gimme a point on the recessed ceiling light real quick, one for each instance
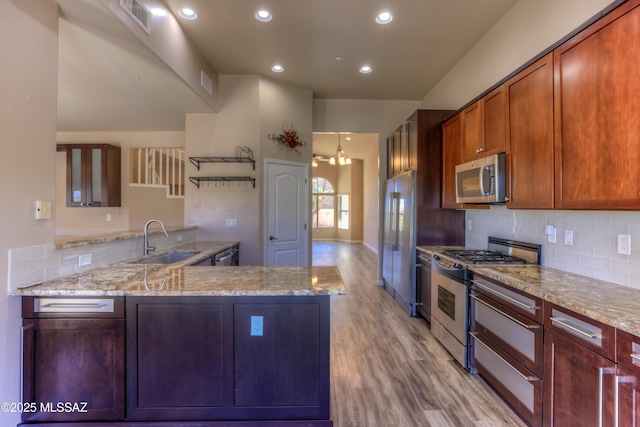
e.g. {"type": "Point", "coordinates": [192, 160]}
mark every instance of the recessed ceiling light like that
{"type": "Point", "coordinates": [263, 15]}
{"type": "Point", "coordinates": [384, 18]}
{"type": "Point", "coordinates": [338, 58]}
{"type": "Point", "coordinates": [188, 13]}
{"type": "Point", "coordinates": [365, 69]}
{"type": "Point", "coordinates": [277, 68]}
{"type": "Point", "coordinates": [158, 11]}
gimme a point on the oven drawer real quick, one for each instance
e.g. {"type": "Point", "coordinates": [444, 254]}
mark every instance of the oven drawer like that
{"type": "Point", "coordinates": [518, 301]}
{"type": "Point", "coordinates": [516, 334]}
{"type": "Point", "coordinates": [519, 387]}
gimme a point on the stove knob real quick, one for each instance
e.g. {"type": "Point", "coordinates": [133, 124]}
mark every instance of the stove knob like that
{"type": "Point", "coordinates": [436, 257]}
{"type": "Point", "coordinates": [456, 265]}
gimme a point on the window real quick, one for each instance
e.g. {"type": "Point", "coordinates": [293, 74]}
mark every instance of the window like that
{"type": "Point", "coordinates": [323, 202]}
{"type": "Point", "coordinates": [343, 211]}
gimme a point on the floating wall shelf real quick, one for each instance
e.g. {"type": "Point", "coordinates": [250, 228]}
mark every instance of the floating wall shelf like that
{"type": "Point", "coordinates": [199, 160]}
{"type": "Point", "coordinates": [199, 179]}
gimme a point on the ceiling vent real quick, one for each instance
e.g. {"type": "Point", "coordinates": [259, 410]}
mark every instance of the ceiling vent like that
{"type": "Point", "coordinates": [138, 12]}
{"type": "Point", "coordinates": [205, 82]}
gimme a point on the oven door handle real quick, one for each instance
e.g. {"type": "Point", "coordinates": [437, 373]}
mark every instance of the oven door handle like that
{"type": "Point", "coordinates": [501, 295]}
{"type": "Point", "coordinates": [513, 319]}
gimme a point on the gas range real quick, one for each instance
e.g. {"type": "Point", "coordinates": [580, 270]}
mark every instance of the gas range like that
{"type": "Point", "coordinates": [500, 251]}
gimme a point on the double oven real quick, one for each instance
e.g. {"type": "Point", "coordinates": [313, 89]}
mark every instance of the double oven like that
{"type": "Point", "coordinates": [451, 316]}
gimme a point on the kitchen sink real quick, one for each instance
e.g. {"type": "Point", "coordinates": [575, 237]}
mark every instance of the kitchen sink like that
{"type": "Point", "coordinates": [168, 258]}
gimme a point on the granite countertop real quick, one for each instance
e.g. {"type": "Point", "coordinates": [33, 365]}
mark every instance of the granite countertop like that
{"type": "Point", "coordinates": [609, 303]}
{"type": "Point", "coordinates": [62, 242]}
{"type": "Point", "coordinates": [128, 278]}
{"type": "Point", "coordinates": [606, 302]}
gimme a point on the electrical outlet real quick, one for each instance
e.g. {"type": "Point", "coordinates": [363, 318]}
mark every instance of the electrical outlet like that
{"type": "Point", "coordinates": [469, 225]}
{"type": "Point", "coordinates": [179, 238]}
{"type": "Point", "coordinates": [568, 237]}
{"type": "Point", "coordinates": [551, 237]}
{"type": "Point", "coordinates": [624, 244]}
{"type": "Point", "coordinates": [231, 222]}
{"type": "Point", "coordinates": [84, 260]}
{"type": "Point", "coordinates": [257, 326]}
{"type": "Point", "coordinates": [108, 217]}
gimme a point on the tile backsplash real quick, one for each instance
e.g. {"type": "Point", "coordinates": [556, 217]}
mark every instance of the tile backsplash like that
{"type": "Point", "coordinates": [34, 264]}
{"type": "Point", "coordinates": [595, 239]}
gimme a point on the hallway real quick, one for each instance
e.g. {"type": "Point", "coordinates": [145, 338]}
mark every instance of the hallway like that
{"type": "Point", "coordinates": [387, 370]}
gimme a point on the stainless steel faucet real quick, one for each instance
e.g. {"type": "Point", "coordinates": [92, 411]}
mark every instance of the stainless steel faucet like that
{"type": "Point", "coordinates": [148, 248]}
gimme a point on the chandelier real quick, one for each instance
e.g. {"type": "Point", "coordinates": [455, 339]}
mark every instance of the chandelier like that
{"type": "Point", "coordinates": [340, 157]}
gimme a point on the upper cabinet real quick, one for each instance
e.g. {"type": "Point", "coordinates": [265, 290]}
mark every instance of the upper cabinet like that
{"type": "Point", "coordinates": [451, 156]}
{"type": "Point", "coordinates": [93, 175]}
{"type": "Point", "coordinates": [530, 137]}
{"type": "Point", "coordinates": [597, 114]}
{"type": "Point", "coordinates": [483, 125]}
{"type": "Point", "coordinates": [396, 152]}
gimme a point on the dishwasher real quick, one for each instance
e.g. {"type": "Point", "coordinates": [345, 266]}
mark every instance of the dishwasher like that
{"type": "Point", "coordinates": [228, 257]}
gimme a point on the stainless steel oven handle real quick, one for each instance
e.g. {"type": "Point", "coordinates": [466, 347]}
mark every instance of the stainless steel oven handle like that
{"type": "Point", "coordinates": [573, 328]}
{"type": "Point", "coordinates": [513, 319]}
{"type": "Point", "coordinates": [529, 378]}
{"type": "Point", "coordinates": [501, 295]}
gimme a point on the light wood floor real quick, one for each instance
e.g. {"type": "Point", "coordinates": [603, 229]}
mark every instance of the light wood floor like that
{"type": "Point", "coordinates": [387, 369]}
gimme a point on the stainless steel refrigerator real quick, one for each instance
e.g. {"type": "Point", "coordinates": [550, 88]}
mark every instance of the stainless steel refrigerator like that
{"type": "Point", "coordinates": [398, 255]}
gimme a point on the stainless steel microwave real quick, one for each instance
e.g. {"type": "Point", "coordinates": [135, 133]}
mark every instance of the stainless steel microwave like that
{"type": "Point", "coordinates": [482, 180]}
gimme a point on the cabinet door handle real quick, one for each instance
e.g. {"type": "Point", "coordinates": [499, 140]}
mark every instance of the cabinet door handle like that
{"type": "Point", "coordinates": [528, 378]}
{"type": "Point", "coordinates": [573, 328]}
{"type": "Point", "coordinates": [513, 319]}
{"type": "Point", "coordinates": [72, 305]}
{"type": "Point", "coordinates": [601, 373]}
{"type": "Point", "coordinates": [501, 295]}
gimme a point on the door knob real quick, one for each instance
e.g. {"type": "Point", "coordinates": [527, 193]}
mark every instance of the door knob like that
{"type": "Point", "coordinates": [273, 238]}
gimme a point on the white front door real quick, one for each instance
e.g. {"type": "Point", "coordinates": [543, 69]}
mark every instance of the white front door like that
{"type": "Point", "coordinates": [287, 207]}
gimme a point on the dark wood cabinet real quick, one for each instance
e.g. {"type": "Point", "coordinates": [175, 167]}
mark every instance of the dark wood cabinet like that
{"type": "Point", "coordinates": [579, 384]}
{"type": "Point", "coordinates": [451, 156]}
{"type": "Point", "coordinates": [201, 359]}
{"type": "Point", "coordinates": [73, 357]}
{"type": "Point", "coordinates": [175, 358]}
{"type": "Point", "coordinates": [472, 132]}
{"type": "Point", "coordinates": [597, 119]}
{"type": "Point", "coordinates": [530, 137]}
{"type": "Point", "coordinates": [397, 152]}
{"type": "Point", "coordinates": [434, 225]}
{"type": "Point", "coordinates": [628, 410]}
{"type": "Point", "coordinates": [580, 372]}
{"type": "Point", "coordinates": [483, 125]}
{"type": "Point", "coordinates": [93, 175]}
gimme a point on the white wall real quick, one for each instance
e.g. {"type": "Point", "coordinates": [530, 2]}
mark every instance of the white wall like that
{"type": "Point", "coordinates": [28, 84]}
{"type": "Point", "coordinates": [251, 107]}
{"type": "Point", "coordinates": [369, 116]}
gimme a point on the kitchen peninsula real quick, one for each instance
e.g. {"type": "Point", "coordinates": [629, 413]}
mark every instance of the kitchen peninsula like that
{"type": "Point", "coordinates": [145, 343]}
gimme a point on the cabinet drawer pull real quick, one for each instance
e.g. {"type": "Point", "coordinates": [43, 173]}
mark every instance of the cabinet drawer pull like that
{"type": "Point", "coordinates": [72, 305]}
{"type": "Point", "coordinates": [529, 378]}
{"type": "Point", "coordinates": [501, 295]}
{"type": "Point", "coordinates": [573, 328]}
{"type": "Point", "coordinates": [84, 305]}
{"type": "Point", "coordinates": [635, 357]}
{"type": "Point", "coordinates": [513, 319]}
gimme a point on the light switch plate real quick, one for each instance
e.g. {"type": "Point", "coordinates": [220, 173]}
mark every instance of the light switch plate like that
{"type": "Point", "coordinates": [231, 222]}
{"type": "Point", "coordinates": [568, 237]}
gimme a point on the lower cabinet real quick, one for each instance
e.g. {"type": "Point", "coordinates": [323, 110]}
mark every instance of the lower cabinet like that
{"type": "Point", "coordinates": [580, 374]}
{"type": "Point", "coordinates": [207, 361]}
{"type": "Point", "coordinates": [73, 360]}
{"type": "Point", "coordinates": [227, 358]}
